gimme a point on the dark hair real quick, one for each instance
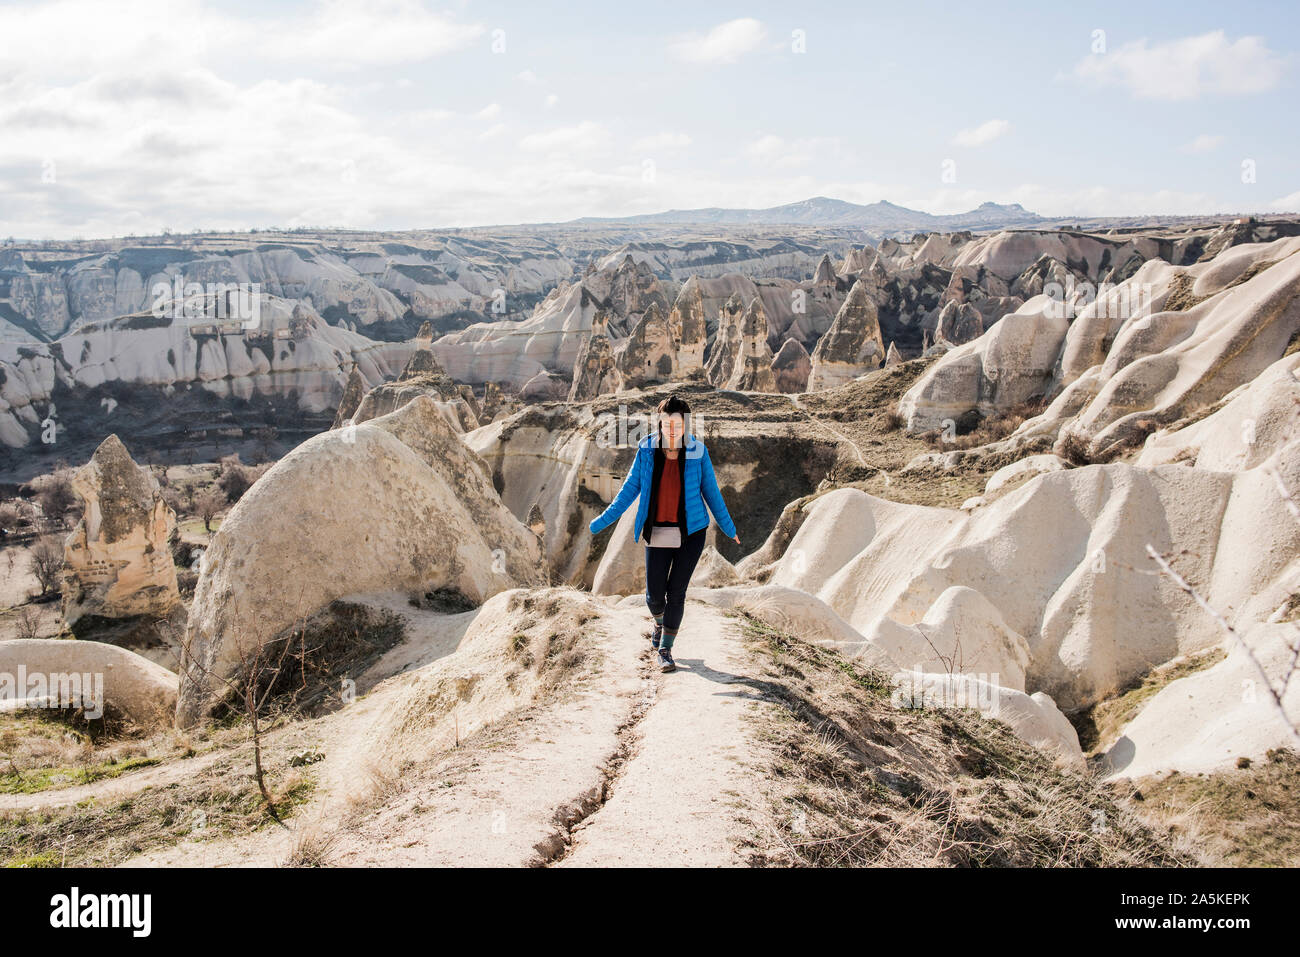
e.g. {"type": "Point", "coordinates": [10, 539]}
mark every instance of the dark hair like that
{"type": "Point", "coordinates": [672, 405]}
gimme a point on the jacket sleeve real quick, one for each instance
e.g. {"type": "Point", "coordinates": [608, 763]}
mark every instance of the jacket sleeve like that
{"type": "Point", "coordinates": [713, 495]}
{"type": "Point", "coordinates": [625, 497]}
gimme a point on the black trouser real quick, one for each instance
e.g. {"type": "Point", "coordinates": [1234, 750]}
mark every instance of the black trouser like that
{"type": "Point", "coordinates": [667, 573]}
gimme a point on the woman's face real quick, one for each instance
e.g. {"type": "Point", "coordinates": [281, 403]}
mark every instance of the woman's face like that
{"type": "Point", "coordinates": [674, 427]}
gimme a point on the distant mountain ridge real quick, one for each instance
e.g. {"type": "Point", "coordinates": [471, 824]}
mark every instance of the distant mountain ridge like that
{"type": "Point", "coordinates": [882, 217]}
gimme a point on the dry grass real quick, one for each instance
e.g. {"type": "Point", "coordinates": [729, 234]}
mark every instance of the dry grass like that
{"type": "Point", "coordinates": [382, 781]}
{"type": "Point", "coordinates": [858, 782]}
{"type": "Point", "coordinates": [1241, 817]}
{"type": "Point", "coordinates": [1181, 298]}
{"type": "Point", "coordinates": [992, 428]}
{"type": "Point", "coordinates": [221, 800]}
{"type": "Point", "coordinates": [313, 843]}
{"type": "Point", "coordinates": [1078, 451]}
{"type": "Point", "coordinates": [47, 750]}
{"type": "Point", "coordinates": [549, 638]}
{"type": "Point", "coordinates": [865, 413]}
{"type": "Point", "coordinates": [1100, 725]}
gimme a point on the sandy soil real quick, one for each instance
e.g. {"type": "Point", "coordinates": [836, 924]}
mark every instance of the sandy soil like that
{"type": "Point", "coordinates": [690, 782]}
{"type": "Point", "coordinates": [621, 766]}
{"type": "Point", "coordinates": [17, 586]}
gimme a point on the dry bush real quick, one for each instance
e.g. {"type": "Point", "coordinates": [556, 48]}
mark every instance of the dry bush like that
{"type": "Point", "coordinates": [47, 564]}
{"type": "Point", "coordinates": [1077, 450]}
{"type": "Point", "coordinates": [187, 580]}
{"type": "Point", "coordinates": [208, 504]}
{"type": "Point", "coordinates": [175, 501]}
{"type": "Point", "coordinates": [10, 518]}
{"type": "Point", "coordinates": [312, 845]}
{"type": "Point", "coordinates": [57, 499]}
{"type": "Point", "coordinates": [235, 479]}
{"type": "Point", "coordinates": [1073, 447]}
{"type": "Point", "coordinates": [989, 429]}
{"type": "Point", "coordinates": [28, 625]}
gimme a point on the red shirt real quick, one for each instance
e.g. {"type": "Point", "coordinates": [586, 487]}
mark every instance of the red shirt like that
{"type": "Point", "coordinates": [670, 491]}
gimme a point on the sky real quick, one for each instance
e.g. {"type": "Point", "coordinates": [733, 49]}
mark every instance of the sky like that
{"type": "Point", "coordinates": [127, 118]}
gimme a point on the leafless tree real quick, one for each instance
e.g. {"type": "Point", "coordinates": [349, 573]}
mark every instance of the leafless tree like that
{"type": "Point", "coordinates": [47, 564]}
{"type": "Point", "coordinates": [235, 478]}
{"type": "Point", "coordinates": [208, 504]}
{"type": "Point", "coordinates": [57, 499]}
{"type": "Point", "coordinates": [262, 671]}
{"type": "Point", "coordinates": [10, 516]}
{"type": "Point", "coordinates": [29, 622]}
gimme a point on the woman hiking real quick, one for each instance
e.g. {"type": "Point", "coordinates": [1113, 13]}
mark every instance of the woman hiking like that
{"type": "Point", "coordinates": [672, 476]}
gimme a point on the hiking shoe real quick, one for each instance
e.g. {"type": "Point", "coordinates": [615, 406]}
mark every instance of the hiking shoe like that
{"type": "Point", "coordinates": [654, 636]}
{"type": "Point", "coordinates": [666, 663]}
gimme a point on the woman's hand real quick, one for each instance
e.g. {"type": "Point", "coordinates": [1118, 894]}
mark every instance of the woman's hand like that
{"type": "Point", "coordinates": [736, 538]}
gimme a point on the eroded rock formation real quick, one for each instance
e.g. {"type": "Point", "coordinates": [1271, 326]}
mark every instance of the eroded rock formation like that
{"type": "Point", "coordinates": [853, 344]}
{"type": "Point", "coordinates": [117, 562]}
{"type": "Point", "coordinates": [752, 368]}
{"type": "Point", "coordinates": [398, 503]}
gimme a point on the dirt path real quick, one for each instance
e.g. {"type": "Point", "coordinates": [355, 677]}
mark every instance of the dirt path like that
{"type": "Point", "coordinates": [624, 767]}
{"type": "Point", "coordinates": [822, 423]}
{"type": "Point", "coordinates": [508, 797]}
{"type": "Point", "coordinates": [690, 781]}
{"type": "Point", "coordinates": [633, 768]}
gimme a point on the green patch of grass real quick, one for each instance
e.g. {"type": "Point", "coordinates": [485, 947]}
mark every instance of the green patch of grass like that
{"type": "Point", "coordinates": [192, 530]}
{"type": "Point", "coordinates": [45, 779]}
{"type": "Point", "coordinates": [44, 859]}
{"type": "Point", "coordinates": [219, 801]}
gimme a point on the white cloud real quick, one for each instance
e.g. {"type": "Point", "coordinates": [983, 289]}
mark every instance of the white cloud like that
{"type": "Point", "coordinates": [1288, 204]}
{"type": "Point", "coordinates": [725, 43]}
{"type": "Point", "coordinates": [373, 32]}
{"type": "Point", "coordinates": [431, 116]}
{"type": "Point", "coordinates": [584, 138]}
{"type": "Point", "coordinates": [661, 142]}
{"type": "Point", "coordinates": [197, 140]}
{"type": "Point", "coordinates": [1107, 201]}
{"type": "Point", "coordinates": [93, 36]}
{"type": "Point", "coordinates": [986, 132]}
{"type": "Point", "coordinates": [1187, 68]}
{"type": "Point", "coordinates": [779, 152]}
{"type": "Point", "coordinates": [1202, 144]}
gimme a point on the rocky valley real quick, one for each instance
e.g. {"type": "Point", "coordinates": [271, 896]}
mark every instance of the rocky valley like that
{"type": "Point", "coordinates": [1015, 500]}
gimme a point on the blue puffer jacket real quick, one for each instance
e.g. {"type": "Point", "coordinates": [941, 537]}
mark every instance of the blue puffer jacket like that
{"type": "Point", "coordinates": [700, 484]}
